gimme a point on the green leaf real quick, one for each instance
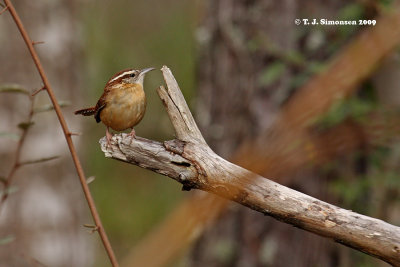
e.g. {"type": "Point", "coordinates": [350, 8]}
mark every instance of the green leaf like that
{"type": "Point", "coordinates": [9, 190]}
{"type": "Point", "coordinates": [299, 79]}
{"type": "Point", "coordinates": [354, 108]}
{"type": "Point", "coordinates": [50, 107]}
{"type": "Point", "coordinates": [90, 179]}
{"type": "Point", "coordinates": [12, 136]}
{"type": "Point", "coordinates": [336, 114]}
{"type": "Point", "coordinates": [352, 11]}
{"type": "Point", "coordinates": [271, 73]}
{"type": "Point", "coordinates": [25, 125]}
{"type": "Point", "coordinates": [13, 88]}
{"type": "Point", "coordinates": [224, 250]}
{"type": "Point", "coordinates": [93, 228]}
{"type": "Point", "coordinates": [39, 160]}
{"type": "Point", "coordinates": [360, 108]}
{"type": "Point", "coordinates": [316, 67]}
{"type": "Point", "coordinates": [349, 13]}
{"type": "Point", "coordinates": [386, 5]}
{"type": "Point", "coordinates": [6, 240]}
{"type": "Point", "coordinates": [90, 226]}
{"type": "Point", "coordinates": [295, 57]}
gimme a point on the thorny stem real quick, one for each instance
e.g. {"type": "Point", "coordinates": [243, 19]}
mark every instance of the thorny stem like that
{"type": "Point", "coordinates": [66, 131]}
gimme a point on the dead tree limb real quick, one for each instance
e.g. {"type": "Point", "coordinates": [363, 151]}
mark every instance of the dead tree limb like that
{"type": "Point", "coordinates": [190, 161]}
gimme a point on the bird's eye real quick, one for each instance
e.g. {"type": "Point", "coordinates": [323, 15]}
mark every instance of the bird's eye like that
{"type": "Point", "coordinates": [133, 75]}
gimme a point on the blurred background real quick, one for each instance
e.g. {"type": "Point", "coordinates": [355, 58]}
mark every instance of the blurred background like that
{"type": "Point", "coordinates": [312, 107]}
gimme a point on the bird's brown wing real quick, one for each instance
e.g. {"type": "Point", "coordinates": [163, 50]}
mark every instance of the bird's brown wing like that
{"type": "Point", "coordinates": [101, 104]}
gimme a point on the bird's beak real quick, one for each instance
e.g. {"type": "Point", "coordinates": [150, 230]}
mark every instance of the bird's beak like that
{"type": "Point", "coordinates": [143, 71]}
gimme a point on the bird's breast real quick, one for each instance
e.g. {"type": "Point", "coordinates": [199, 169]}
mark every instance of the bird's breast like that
{"type": "Point", "coordinates": [125, 107]}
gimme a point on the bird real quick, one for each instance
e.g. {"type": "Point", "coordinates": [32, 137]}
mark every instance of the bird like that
{"type": "Point", "coordinates": [122, 104]}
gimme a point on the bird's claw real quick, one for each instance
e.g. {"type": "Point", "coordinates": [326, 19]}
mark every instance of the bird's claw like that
{"type": "Point", "coordinates": [109, 137]}
{"type": "Point", "coordinates": [132, 134]}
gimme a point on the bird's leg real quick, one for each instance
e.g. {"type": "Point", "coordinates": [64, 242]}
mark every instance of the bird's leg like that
{"type": "Point", "coordinates": [132, 134]}
{"type": "Point", "coordinates": [108, 137]}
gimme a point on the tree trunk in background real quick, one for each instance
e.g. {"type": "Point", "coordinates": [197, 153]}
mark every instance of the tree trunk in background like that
{"type": "Point", "coordinates": [234, 105]}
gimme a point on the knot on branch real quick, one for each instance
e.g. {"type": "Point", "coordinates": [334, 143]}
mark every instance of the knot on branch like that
{"type": "Point", "coordinates": [176, 146]}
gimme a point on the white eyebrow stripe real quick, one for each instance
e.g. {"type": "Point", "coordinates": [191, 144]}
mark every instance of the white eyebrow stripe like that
{"type": "Point", "coordinates": [122, 74]}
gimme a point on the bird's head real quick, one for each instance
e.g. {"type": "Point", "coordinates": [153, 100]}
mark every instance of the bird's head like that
{"type": "Point", "coordinates": [130, 76]}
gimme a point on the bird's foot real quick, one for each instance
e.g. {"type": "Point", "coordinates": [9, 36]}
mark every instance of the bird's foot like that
{"type": "Point", "coordinates": [132, 134]}
{"type": "Point", "coordinates": [108, 137]}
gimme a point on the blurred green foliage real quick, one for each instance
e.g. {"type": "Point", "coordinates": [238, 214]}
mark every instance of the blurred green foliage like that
{"type": "Point", "coordinates": [271, 73]}
{"type": "Point", "coordinates": [350, 12]}
{"type": "Point", "coordinates": [367, 180]}
{"type": "Point", "coordinates": [6, 240]}
{"type": "Point", "coordinates": [386, 4]}
{"type": "Point", "coordinates": [312, 68]}
{"type": "Point", "coordinates": [367, 192]}
{"type": "Point", "coordinates": [350, 108]}
{"type": "Point", "coordinates": [13, 88]}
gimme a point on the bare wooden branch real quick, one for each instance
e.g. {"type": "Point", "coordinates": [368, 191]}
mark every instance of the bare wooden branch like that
{"type": "Point", "coordinates": [185, 127]}
{"type": "Point", "coordinates": [150, 155]}
{"type": "Point", "coordinates": [190, 161]}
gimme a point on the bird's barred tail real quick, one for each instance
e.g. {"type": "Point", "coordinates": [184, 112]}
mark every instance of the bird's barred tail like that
{"type": "Point", "coordinates": [86, 111]}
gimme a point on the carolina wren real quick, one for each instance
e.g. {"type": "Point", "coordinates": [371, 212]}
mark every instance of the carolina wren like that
{"type": "Point", "coordinates": [123, 103]}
